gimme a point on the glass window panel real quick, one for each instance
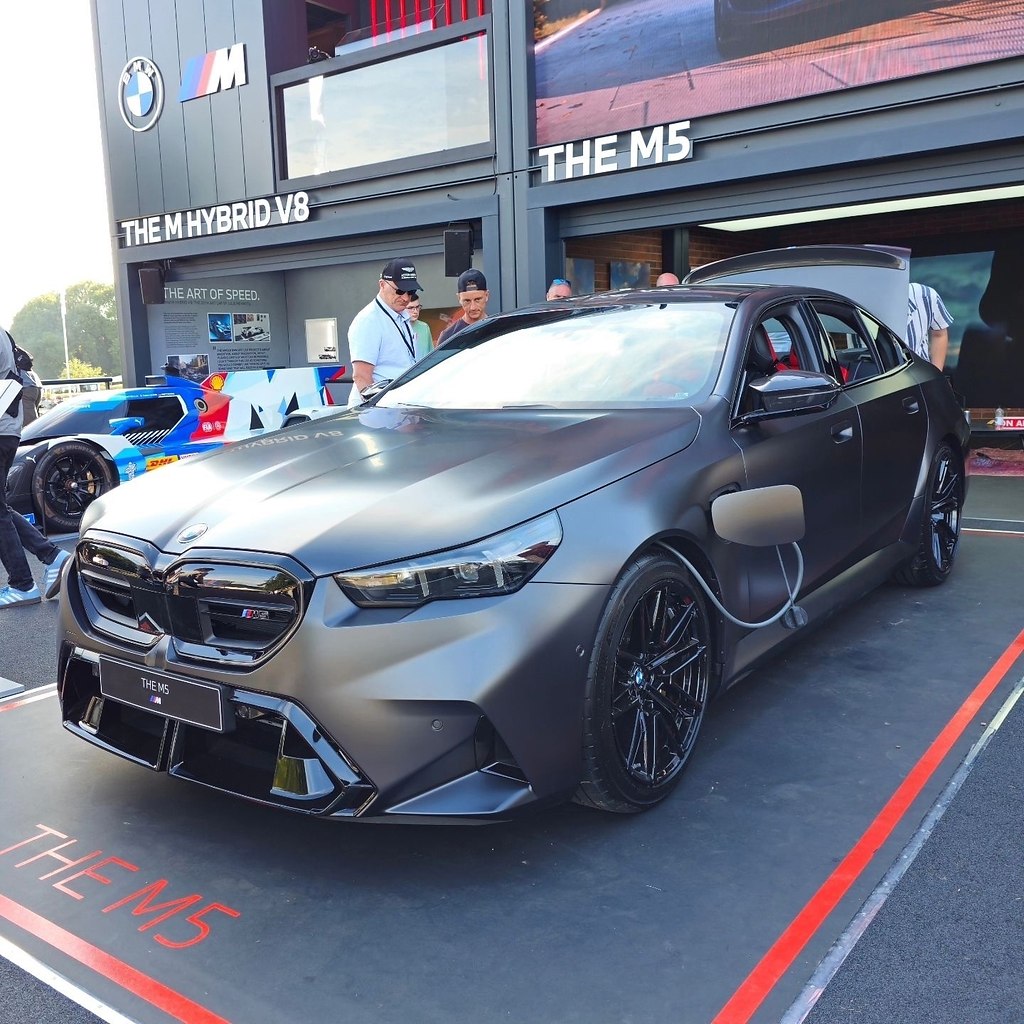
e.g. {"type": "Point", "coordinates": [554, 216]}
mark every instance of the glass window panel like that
{"type": "Point", "coordinates": [593, 357]}
{"type": "Point", "coordinates": [425, 102]}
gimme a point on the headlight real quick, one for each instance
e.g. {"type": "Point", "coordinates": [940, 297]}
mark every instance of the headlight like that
{"type": "Point", "coordinates": [496, 565]}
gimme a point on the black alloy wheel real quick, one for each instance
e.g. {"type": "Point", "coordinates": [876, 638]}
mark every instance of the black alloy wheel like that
{"type": "Point", "coordinates": [647, 688]}
{"type": "Point", "coordinates": [940, 529]}
{"type": "Point", "coordinates": [67, 478]}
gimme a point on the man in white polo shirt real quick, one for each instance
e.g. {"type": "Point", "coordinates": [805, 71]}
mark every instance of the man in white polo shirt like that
{"type": "Point", "coordinates": [381, 343]}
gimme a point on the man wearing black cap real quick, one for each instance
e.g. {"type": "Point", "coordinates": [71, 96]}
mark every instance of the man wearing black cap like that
{"type": "Point", "coordinates": [473, 296]}
{"type": "Point", "coordinates": [381, 343]}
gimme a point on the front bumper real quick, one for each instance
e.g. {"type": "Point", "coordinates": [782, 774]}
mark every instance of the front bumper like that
{"type": "Point", "coordinates": [467, 710]}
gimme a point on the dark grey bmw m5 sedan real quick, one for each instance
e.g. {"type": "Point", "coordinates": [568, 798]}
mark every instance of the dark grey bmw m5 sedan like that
{"type": "Point", "coordinates": [519, 573]}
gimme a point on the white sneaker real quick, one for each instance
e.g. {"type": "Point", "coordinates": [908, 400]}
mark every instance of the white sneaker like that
{"type": "Point", "coordinates": [11, 598]}
{"type": "Point", "coordinates": [51, 577]}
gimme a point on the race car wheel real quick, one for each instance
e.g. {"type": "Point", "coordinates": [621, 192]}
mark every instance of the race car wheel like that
{"type": "Point", "coordinates": [647, 687]}
{"type": "Point", "coordinates": [67, 478]}
{"type": "Point", "coordinates": [940, 530]}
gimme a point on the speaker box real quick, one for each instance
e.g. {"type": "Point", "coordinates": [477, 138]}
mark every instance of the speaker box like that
{"type": "Point", "coordinates": [151, 280]}
{"type": "Point", "coordinates": [458, 251]}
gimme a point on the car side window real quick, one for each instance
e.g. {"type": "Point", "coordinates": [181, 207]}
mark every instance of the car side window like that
{"type": "Point", "coordinates": [854, 352]}
{"type": "Point", "coordinates": [891, 352]}
{"type": "Point", "coordinates": [777, 342]}
{"type": "Point", "coordinates": [158, 413]}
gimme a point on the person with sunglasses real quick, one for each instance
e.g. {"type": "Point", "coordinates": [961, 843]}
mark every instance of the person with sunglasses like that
{"type": "Point", "coordinates": [559, 289]}
{"type": "Point", "coordinates": [381, 342]}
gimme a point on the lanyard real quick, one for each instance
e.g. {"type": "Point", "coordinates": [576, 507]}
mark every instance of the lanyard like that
{"type": "Point", "coordinates": [406, 335]}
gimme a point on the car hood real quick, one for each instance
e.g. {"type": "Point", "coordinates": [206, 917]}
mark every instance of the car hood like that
{"type": "Point", "coordinates": [373, 485]}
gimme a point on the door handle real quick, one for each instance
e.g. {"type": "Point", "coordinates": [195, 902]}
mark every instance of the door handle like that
{"type": "Point", "coordinates": [842, 432]}
{"type": "Point", "coordinates": [911, 405]}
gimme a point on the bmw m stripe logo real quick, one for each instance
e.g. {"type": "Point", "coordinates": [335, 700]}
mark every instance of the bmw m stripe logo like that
{"type": "Point", "coordinates": [140, 94]}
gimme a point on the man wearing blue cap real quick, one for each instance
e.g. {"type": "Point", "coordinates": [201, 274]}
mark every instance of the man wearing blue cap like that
{"type": "Point", "coordinates": [473, 296]}
{"type": "Point", "coordinates": [381, 343]}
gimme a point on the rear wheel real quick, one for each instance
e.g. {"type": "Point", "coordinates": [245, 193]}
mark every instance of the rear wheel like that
{"type": "Point", "coordinates": [68, 477]}
{"type": "Point", "coordinates": [940, 531]}
{"type": "Point", "coordinates": [647, 687]}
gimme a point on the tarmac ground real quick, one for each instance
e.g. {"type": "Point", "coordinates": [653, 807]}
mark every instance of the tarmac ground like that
{"type": "Point", "coordinates": [845, 846]}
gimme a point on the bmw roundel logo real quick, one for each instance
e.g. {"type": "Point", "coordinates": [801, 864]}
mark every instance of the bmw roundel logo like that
{"type": "Point", "coordinates": [140, 94]}
{"type": "Point", "coordinates": [191, 533]}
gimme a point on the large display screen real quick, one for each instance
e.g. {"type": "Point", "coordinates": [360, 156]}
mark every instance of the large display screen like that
{"type": "Point", "coordinates": [982, 291]}
{"type": "Point", "coordinates": [604, 66]}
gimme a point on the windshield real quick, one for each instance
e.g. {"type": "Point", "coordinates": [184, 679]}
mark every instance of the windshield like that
{"type": "Point", "coordinates": [585, 357]}
{"type": "Point", "coordinates": [80, 415]}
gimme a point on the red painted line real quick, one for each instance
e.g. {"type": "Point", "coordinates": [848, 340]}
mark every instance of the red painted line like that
{"type": "Point", "coordinates": [30, 697]}
{"type": "Point", "coordinates": [774, 964]}
{"type": "Point", "coordinates": [163, 998]}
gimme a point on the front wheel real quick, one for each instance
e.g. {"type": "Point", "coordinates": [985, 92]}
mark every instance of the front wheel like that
{"type": "Point", "coordinates": [647, 687]}
{"type": "Point", "coordinates": [940, 531]}
{"type": "Point", "coordinates": [68, 477]}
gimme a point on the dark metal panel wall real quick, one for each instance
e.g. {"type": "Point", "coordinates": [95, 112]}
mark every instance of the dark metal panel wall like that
{"type": "Point", "coordinates": [254, 101]}
{"type": "Point", "coordinates": [174, 154]}
{"type": "Point", "coordinates": [199, 139]}
{"type": "Point", "coordinates": [208, 150]}
{"type": "Point", "coordinates": [224, 108]}
{"type": "Point", "coordinates": [113, 54]}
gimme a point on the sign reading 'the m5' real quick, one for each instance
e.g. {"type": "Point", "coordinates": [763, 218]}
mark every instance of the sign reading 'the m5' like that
{"type": "Point", "coordinates": [212, 72]}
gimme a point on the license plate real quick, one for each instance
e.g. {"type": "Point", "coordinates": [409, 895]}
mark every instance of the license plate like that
{"type": "Point", "coordinates": [184, 700]}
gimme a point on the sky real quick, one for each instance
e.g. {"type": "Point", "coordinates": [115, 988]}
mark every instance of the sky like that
{"type": "Point", "coordinates": [55, 230]}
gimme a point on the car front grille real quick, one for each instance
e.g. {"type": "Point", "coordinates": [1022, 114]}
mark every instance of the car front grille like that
{"type": "Point", "coordinates": [214, 609]}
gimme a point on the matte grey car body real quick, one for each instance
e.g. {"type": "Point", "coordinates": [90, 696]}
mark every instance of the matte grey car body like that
{"type": "Point", "coordinates": [494, 587]}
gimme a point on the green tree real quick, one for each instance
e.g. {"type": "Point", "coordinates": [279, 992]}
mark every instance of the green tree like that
{"type": "Point", "coordinates": [91, 317]}
{"type": "Point", "coordinates": [78, 368]}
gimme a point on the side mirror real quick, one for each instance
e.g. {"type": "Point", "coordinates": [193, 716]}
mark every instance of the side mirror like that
{"type": "Point", "coordinates": [789, 393]}
{"type": "Point", "coordinates": [122, 424]}
{"type": "Point", "coordinates": [763, 517]}
{"type": "Point", "coordinates": [374, 390]}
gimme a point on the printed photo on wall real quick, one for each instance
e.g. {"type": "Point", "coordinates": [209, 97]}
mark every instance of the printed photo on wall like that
{"type": "Point", "coordinates": [322, 340]}
{"type": "Point", "coordinates": [252, 328]}
{"type": "Point", "coordinates": [195, 367]}
{"type": "Point", "coordinates": [629, 275]}
{"type": "Point", "coordinates": [220, 327]}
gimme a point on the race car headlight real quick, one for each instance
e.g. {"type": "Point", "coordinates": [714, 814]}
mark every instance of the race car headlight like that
{"type": "Point", "coordinates": [500, 564]}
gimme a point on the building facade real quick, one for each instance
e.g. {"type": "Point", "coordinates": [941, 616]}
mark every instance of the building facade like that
{"type": "Point", "coordinates": [266, 157]}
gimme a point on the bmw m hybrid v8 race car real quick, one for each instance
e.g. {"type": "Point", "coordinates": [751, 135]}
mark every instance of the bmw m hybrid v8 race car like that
{"type": "Point", "coordinates": [91, 443]}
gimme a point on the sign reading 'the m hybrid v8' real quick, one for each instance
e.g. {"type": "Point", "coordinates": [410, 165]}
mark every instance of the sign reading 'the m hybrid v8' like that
{"type": "Point", "coordinates": [243, 215]}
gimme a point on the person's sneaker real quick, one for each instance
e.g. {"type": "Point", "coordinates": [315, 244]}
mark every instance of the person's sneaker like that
{"type": "Point", "coordinates": [11, 598]}
{"type": "Point", "coordinates": [51, 577]}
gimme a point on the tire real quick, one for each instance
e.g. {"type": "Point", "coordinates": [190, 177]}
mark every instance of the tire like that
{"type": "Point", "coordinates": [67, 478]}
{"type": "Point", "coordinates": [647, 687]}
{"type": "Point", "coordinates": [933, 561]}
